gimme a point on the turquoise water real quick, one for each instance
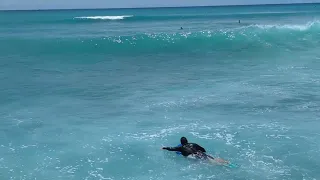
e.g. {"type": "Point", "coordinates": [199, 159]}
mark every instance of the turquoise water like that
{"type": "Point", "coordinates": [95, 94]}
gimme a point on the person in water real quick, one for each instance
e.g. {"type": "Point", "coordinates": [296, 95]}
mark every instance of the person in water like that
{"type": "Point", "coordinates": [187, 149]}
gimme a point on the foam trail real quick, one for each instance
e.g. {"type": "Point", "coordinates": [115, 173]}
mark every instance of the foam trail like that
{"type": "Point", "coordinates": [104, 17]}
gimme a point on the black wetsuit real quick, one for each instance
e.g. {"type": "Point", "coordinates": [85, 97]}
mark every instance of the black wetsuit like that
{"type": "Point", "coordinates": [189, 148]}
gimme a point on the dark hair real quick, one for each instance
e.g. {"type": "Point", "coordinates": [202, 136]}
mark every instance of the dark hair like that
{"type": "Point", "coordinates": [183, 140]}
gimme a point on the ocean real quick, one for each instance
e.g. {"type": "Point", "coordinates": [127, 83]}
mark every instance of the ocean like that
{"type": "Point", "coordinates": [95, 94]}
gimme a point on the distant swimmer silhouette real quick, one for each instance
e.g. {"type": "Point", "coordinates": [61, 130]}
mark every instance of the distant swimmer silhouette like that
{"type": "Point", "coordinates": [181, 28]}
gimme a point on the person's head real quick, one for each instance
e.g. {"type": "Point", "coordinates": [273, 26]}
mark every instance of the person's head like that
{"type": "Point", "coordinates": [183, 140]}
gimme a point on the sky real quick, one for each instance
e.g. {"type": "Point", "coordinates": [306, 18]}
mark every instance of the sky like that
{"type": "Point", "coordinates": [87, 4]}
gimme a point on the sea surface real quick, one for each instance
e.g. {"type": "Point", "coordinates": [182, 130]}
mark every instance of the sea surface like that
{"type": "Point", "coordinates": [95, 94]}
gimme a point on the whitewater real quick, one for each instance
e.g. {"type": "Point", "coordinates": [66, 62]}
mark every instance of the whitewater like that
{"type": "Point", "coordinates": [95, 94]}
{"type": "Point", "coordinates": [104, 17]}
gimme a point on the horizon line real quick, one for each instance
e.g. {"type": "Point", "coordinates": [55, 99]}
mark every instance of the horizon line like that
{"type": "Point", "coordinates": [159, 7]}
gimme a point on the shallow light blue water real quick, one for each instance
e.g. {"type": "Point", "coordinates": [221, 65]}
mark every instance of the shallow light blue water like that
{"type": "Point", "coordinates": [86, 97]}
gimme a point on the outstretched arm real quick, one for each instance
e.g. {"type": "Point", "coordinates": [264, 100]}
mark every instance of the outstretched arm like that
{"type": "Point", "coordinates": [172, 148]}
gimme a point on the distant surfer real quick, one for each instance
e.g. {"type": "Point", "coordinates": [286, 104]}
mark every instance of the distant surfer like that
{"type": "Point", "coordinates": [239, 22]}
{"type": "Point", "coordinates": [181, 28]}
{"type": "Point", "coordinates": [194, 150]}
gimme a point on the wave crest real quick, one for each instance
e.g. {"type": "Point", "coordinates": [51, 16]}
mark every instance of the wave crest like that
{"type": "Point", "coordinates": [299, 27]}
{"type": "Point", "coordinates": [105, 17]}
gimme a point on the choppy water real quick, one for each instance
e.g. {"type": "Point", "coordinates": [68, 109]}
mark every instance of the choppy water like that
{"type": "Point", "coordinates": [95, 94]}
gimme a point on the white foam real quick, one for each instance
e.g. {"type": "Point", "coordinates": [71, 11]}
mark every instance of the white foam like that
{"type": "Point", "coordinates": [105, 17]}
{"type": "Point", "coordinates": [299, 27]}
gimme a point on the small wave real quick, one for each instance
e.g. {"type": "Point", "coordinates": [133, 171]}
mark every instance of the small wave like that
{"type": "Point", "coordinates": [252, 39]}
{"type": "Point", "coordinates": [105, 17]}
{"type": "Point", "coordinates": [301, 27]}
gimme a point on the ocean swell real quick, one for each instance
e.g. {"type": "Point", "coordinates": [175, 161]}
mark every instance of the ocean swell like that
{"type": "Point", "coordinates": [213, 16]}
{"type": "Point", "coordinates": [253, 38]}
